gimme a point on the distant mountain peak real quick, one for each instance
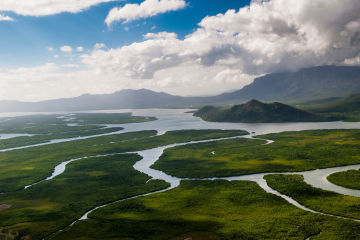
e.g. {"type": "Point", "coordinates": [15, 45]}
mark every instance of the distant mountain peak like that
{"type": "Point", "coordinates": [254, 103]}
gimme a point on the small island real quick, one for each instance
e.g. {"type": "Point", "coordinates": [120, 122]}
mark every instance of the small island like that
{"type": "Point", "coordinates": [255, 111]}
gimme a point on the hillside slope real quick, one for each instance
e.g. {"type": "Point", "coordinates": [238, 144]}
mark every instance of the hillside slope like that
{"type": "Point", "coordinates": [348, 104]}
{"type": "Point", "coordinates": [257, 112]}
{"type": "Point", "coordinates": [347, 108]}
{"type": "Point", "coordinates": [306, 84]}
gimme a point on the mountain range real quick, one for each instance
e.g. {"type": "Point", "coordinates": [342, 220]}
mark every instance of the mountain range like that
{"type": "Point", "coordinates": [303, 85]}
{"type": "Point", "coordinates": [325, 82]}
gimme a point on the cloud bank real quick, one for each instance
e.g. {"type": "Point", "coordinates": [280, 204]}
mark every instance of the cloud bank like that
{"type": "Point", "coordinates": [267, 36]}
{"type": "Point", "coordinates": [47, 7]}
{"type": "Point", "coordinates": [6, 18]}
{"type": "Point", "coordinates": [148, 8]}
{"type": "Point", "coordinates": [226, 51]}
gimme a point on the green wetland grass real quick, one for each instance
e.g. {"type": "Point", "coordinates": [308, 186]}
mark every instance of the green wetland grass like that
{"type": "Point", "coordinates": [50, 127]}
{"type": "Point", "coordinates": [22, 167]}
{"type": "Point", "coordinates": [197, 210]}
{"type": "Point", "coordinates": [347, 179]}
{"type": "Point", "coordinates": [58, 123]}
{"type": "Point", "coordinates": [314, 198]}
{"type": "Point", "coordinates": [87, 183]}
{"type": "Point", "coordinates": [209, 210]}
{"type": "Point", "coordinates": [73, 132]}
{"type": "Point", "coordinates": [291, 151]}
{"type": "Point", "coordinates": [52, 205]}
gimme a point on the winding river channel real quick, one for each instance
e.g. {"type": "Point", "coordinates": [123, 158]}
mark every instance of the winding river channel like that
{"type": "Point", "coordinates": [177, 119]}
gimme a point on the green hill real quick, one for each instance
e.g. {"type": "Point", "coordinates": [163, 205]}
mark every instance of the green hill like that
{"type": "Point", "coordinates": [258, 112]}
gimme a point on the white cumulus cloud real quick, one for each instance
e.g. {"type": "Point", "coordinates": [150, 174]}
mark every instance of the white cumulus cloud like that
{"type": "Point", "coordinates": [47, 7]}
{"type": "Point", "coordinates": [6, 18]}
{"type": "Point", "coordinates": [283, 35]}
{"type": "Point", "coordinates": [231, 48]}
{"type": "Point", "coordinates": [66, 49]}
{"type": "Point", "coordinates": [80, 49]}
{"type": "Point", "coordinates": [224, 53]}
{"type": "Point", "coordinates": [160, 35]}
{"type": "Point", "coordinates": [99, 45]}
{"type": "Point", "coordinates": [147, 8]}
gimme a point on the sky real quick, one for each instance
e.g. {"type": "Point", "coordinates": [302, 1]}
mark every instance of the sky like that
{"type": "Point", "coordinates": [65, 48]}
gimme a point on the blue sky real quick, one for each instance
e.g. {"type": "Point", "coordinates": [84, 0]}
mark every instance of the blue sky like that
{"type": "Point", "coordinates": [25, 41]}
{"type": "Point", "coordinates": [65, 48]}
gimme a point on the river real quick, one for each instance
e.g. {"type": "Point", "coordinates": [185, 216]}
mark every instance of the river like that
{"type": "Point", "coordinates": [177, 119]}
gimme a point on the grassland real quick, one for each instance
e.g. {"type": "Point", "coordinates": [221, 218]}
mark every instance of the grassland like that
{"type": "Point", "coordinates": [201, 210]}
{"type": "Point", "coordinates": [49, 127]}
{"type": "Point", "coordinates": [25, 166]}
{"type": "Point", "coordinates": [69, 132]}
{"type": "Point", "coordinates": [210, 210]}
{"type": "Point", "coordinates": [314, 198]}
{"type": "Point", "coordinates": [45, 124]}
{"type": "Point", "coordinates": [347, 179]}
{"type": "Point", "coordinates": [22, 167]}
{"type": "Point", "coordinates": [54, 204]}
{"type": "Point", "coordinates": [291, 151]}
